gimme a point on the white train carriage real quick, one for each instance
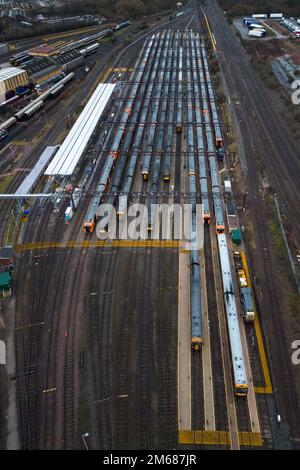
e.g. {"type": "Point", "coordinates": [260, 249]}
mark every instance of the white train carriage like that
{"type": "Point", "coordinates": [237, 355]}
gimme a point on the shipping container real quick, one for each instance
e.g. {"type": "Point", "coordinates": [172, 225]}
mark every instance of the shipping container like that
{"type": "Point", "coordinates": [276, 16]}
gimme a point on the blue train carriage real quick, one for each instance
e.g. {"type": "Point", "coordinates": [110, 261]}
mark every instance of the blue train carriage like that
{"type": "Point", "coordinates": [91, 217]}
{"type": "Point", "coordinates": [196, 339]}
{"type": "Point", "coordinates": [247, 304]}
{"type": "Point", "coordinates": [237, 355]}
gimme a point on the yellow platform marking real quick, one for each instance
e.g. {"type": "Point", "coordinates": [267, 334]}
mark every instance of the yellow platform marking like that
{"type": "Point", "coordinates": [123, 69]}
{"type": "Point", "coordinates": [218, 438]}
{"type": "Point", "coordinates": [96, 244]}
{"type": "Point", "coordinates": [108, 71]}
{"type": "Point", "coordinates": [20, 142]}
{"type": "Point", "coordinates": [263, 357]}
{"type": "Point", "coordinates": [209, 31]}
{"type": "Point", "coordinates": [250, 439]}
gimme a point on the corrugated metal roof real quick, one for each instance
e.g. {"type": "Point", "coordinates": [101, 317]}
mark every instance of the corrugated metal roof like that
{"type": "Point", "coordinates": [70, 152]}
{"type": "Point", "coordinates": [9, 72]}
{"type": "Point", "coordinates": [36, 172]}
{"type": "Point", "coordinates": [38, 66]}
{"type": "Point", "coordinates": [66, 57]}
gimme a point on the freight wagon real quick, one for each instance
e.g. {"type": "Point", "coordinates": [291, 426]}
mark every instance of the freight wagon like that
{"type": "Point", "coordinates": [247, 304]}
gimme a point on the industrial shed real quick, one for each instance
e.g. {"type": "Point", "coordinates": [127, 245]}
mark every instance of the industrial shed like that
{"type": "Point", "coordinates": [41, 70]}
{"type": "Point", "coordinates": [42, 51]}
{"type": "Point", "coordinates": [11, 78]}
{"type": "Point", "coordinates": [68, 61]}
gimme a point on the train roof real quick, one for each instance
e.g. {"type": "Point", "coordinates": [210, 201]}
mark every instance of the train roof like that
{"type": "Point", "coordinates": [231, 313]}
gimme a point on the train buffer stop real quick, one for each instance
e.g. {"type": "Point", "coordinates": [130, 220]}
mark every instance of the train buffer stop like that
{"type": "Point", "coordinates": [6, 267]}
{"type": "Point", "coordinates": [5, 284]}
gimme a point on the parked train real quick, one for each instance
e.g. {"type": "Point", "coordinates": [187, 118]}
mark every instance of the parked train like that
{"type": "Point", "coordinates": [195, 275]}
{"type": "Point", "coordinates": [210, 139]}
{"type": "Point", "coordinates": [20, 58]}
{"type": "Point", "coordinates": [128, 145]}
{"type": "Point", "coordinates": [36, 104]}
{"type": "Point", "coordinates": [247, 304]}
{"type": "Point", "coordinates": [144, 73]}
{"type": "Point", "coordinates": [171, 114]}
{"type": "Point", "coordinates": [146, 163]}
{"type": "Point", "coordinates": [81, 43]}
{"type": "Point", "coordinates": [90, 49]}
{"type": "Point", "coordinates": [245, 290]}
{"type": "Point", "coordinates": [237, 355]}
{"type": "Point", "coordinates": [160, 98]}
{"type": "Point", "coordinates": [92, 214]}
{"type": "Point", "coordinates": [212, 133]}
{"type": "Point", "coordinates": [122, 25]}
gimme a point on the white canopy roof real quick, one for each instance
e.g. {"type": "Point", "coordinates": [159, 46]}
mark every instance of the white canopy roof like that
{"type": "Point", "coordinates": [71, 150]}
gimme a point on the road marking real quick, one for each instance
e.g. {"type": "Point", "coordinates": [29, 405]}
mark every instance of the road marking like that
{"type": "Point", "coordinates": [218, 438]}
{"type": "Point", "coordinates": [262, 353]}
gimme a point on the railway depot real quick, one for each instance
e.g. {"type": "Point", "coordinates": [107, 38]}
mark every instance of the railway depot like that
{"type": "Point", "coordinates": [164, 78]}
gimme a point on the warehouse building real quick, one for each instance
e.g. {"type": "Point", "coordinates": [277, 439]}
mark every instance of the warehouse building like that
{"type": "Point", "coordinates": [43, 51]}
{"type": "Point", "coordinates": [11, 78]}
{"type": "Point", "coordinates": [68, 61]}
{"type": "Point", "coordinates": [42, 70]}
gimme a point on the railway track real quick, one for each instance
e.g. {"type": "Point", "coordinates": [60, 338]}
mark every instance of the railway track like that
{"type": "Point", "coordinates": [265, 139]}
{"type": "Point", "coordinates": [28, 352]}
{"type": "Point", "coordinates": [70, 355]}
{"type": "Point", "coordinates": [54, 414]}
{"type": "Point", "coordinates": [101, 335]}
{"type": "Point", "coordinates": [124, 337]}
{"type": "Point", "coordinates": [221, 418]}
